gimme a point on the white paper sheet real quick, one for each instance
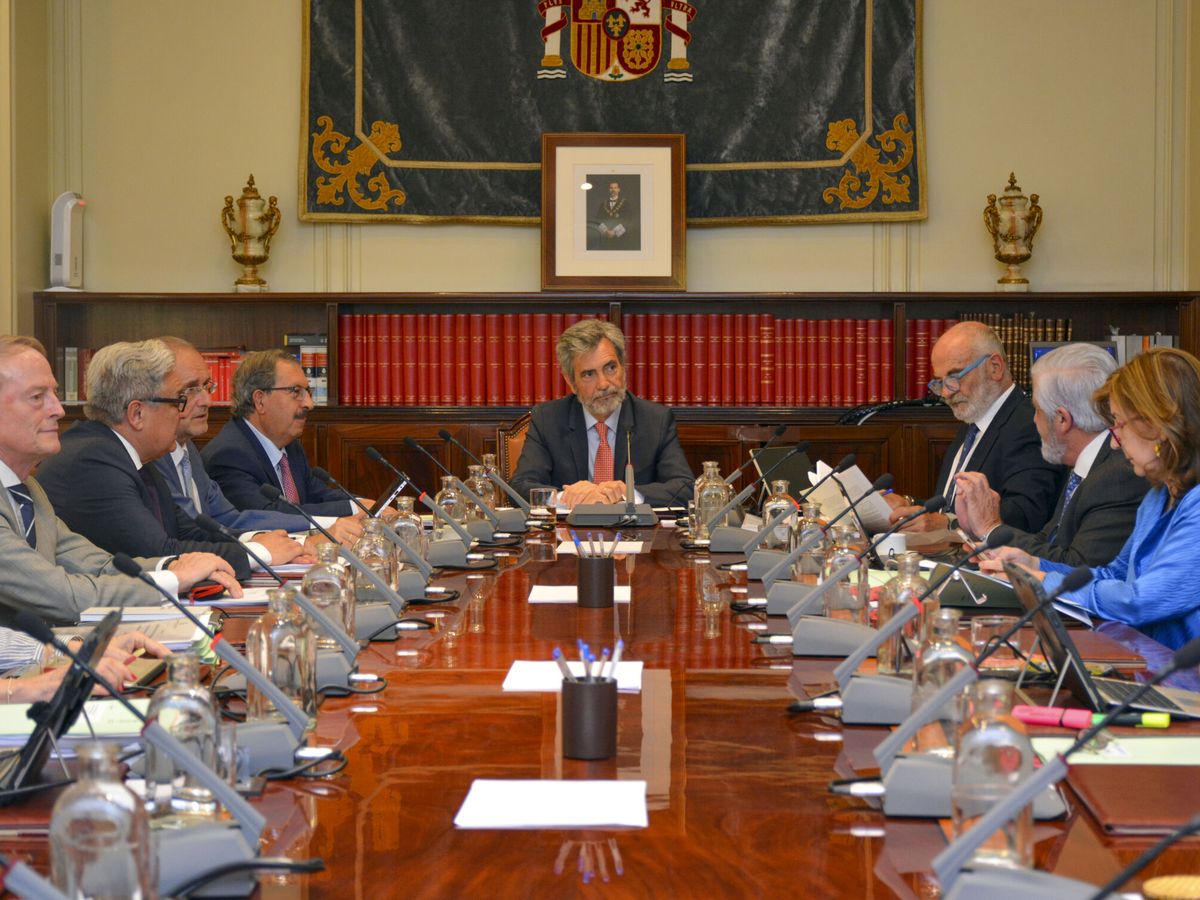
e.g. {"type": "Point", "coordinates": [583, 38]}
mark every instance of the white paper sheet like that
{"type": "Point", "coordinates": [626, 547]}
{"type": "Point", "coordinates": [569, 593]}
{"type": "Point", "coordinates": [872, 511]}
{"type": "Point", "coordinates": [130, 613]}
{"type": "Point", "coordinates": [553, 804]}
{"type": "Point", "coordinates": [537, 675]}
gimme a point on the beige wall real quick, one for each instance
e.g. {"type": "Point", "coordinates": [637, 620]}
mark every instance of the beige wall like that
{"type": "Point", "coordinates": [160, 110]}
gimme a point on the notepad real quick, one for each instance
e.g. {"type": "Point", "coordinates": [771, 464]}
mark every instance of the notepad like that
{"type": "Point", "coordinates": [109, 718]}
{"type": "Point", "coordinates": [545, 675]}
{"type": "Point", "coordinates": [553, 804]}
{"type": "Point", "coordinates": [569, 593]}
{"type": "Point", "coordinates": [1153, 750]}
{"type": "Point", "coordinates": [624, 547]}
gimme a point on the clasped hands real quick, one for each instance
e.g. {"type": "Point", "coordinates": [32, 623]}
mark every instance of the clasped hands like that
{"type": "Point", "coordinates": [586, 492]}
{"type": "Point", "coordinates": [976, 506]}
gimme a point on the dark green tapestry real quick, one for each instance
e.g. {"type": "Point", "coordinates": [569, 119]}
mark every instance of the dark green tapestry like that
{"type": "Point", "coordinates": [794, 110]}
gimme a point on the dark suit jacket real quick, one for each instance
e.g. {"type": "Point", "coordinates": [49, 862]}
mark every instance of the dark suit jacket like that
{"type": "Point", "coordinates": [1099, 519]}
{"type": "Point", "coordinates": [237, 462]}
{"type": "Point", "coordinates": [1009, 453]}
{"type": "Point", "coordinates": [99, 494]}
{"type": "Point", "coordinates": [556, 452]}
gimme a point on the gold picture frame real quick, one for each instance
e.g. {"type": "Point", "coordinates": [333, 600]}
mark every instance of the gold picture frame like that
{"type": "Point", "coordinates": [613, 212]}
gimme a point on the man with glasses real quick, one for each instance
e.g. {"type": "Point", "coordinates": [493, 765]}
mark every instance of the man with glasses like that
{"type": "Point", "coordinates": [259, 444]}
{"type": "Point", "coordinates": [192, 490]}
{"type": "Point", "coordinates": [102, 483]}
{"type": "Point", "coordinates": [998, 437]}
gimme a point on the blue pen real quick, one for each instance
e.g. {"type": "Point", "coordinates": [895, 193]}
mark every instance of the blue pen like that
{"type": "Point", "coordinates": [575, 538]}
{"type": "Point", "coordinates": [562, 665]}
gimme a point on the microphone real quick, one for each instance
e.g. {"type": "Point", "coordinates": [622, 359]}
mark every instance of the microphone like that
{"type": "Point", "coordinates": [396, 602]}
{"type": "Point", "coordinates": [333, 668]}
{"type": "Point", "coordinates": [847, 461]}
{"type": "Point", "coordinates": [270, 744]}
{"type": "Point", "coordinates": [186, 853]}
{"type": "Point", "coordinates": [948, 864]}
{"type": "Point", "coordinates": [324, 476]}
{"type": "Point", "coordinates": [521, 502]}
{"type": "Point", "coordinates": [630, 505]}
{"type": "Point", "coordinates": [414, 591]}
{"type": "Point", "coordinates": [1072, 581]}
{"type": "Point", "coordinates": [449, 553]}
{"type": "Point", "coordinates": [484, 531]}
{"type": "Point", "coordinates": [775, 435]}
{"type": "Point", "coordinates": [726, 539]}
{"type": "Point", "coordinates": [860, 414]}
{"type": "Point", "coordinates": [882, 483]}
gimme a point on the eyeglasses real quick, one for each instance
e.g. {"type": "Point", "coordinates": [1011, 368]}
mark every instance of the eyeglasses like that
{"type": "Point", "coordinates": [208, 387]}
{"type": "Point", "coordinates": [298, 391]}
{"type": "Point", "coordinates": [180, 402]}
{"type": "Point", "coordinates": [1115, 427]}
{"type": "Point", "coordinates": [953, 380]}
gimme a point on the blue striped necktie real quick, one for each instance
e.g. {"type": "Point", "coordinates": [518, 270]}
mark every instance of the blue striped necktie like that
{"type": "Point", "coordinates": [20, 494]}
{"type": "Point", "coordinates": [1072, 483]}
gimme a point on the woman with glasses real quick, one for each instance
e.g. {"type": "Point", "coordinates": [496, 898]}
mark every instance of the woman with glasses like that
{"type": "Point", "coordinates": [1152, 404]}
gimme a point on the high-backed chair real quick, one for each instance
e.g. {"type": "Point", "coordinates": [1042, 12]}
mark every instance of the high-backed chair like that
{"type": "Point", "coordinates": [509, 443]}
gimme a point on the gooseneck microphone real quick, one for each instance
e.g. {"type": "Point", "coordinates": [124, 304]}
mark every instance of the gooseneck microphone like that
{"type": "Point", "coordinates": [521, 502]}
{"type": "Point", "coordinates": [297, 722]}
{"type": "Point", "coordinates": [486, 531]}
{"type": "Point", "coordinates": [948, 864]}
{"type": "Point", "coordinates": [1072, 581]}
{"type": "Point", "coordinates": [731, 540]}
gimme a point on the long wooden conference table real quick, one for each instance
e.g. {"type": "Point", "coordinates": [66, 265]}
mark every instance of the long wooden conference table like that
{"type": "Point", "coordinates": [736, 787]}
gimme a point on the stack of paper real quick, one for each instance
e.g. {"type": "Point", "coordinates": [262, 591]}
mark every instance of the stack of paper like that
{"type": "Point", "coordinates": [569, 593]}
{"type": "Point", "coordinates": [545, 675]}
{"type": "Point", "coordinates": [873, 511]}
{"type": "Point", "coordinates": [107, 718]}
{"type": "Point", "coordinates": [131, 613]}
{"type": "Point", "coordinates": [553, 804]}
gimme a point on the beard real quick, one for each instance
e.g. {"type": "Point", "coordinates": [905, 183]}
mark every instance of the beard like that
{"type": "Point", "coordinates": [1053, 449]}
{"type": "Point", "coordinates": [971, 409]}
{"type": "Point", "coordinates": [603, 405]}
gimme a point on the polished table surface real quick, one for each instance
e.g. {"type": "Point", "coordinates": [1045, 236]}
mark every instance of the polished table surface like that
{"type": "Point", "coordinates": [736, 787]}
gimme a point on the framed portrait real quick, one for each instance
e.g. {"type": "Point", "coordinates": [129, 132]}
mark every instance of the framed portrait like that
{"type": "Point", "coordinates": [613, 212]}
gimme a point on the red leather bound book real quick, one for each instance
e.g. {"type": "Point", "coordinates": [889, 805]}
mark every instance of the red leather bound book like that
{"type": "Point", "coordinates": [796, 349]}
{"type": "Point", "coordinates": [462, 360]}
{"type": "Point", "coordinates": [493, 337]}
{"type": "Point", "coordinates": [423, 358]}
{"type": "Point", "coordinates": [408, 359]}
{"type": "Point", "coordinates": [525, 329]}
{"type": "Point", "coordinates": [511, 352]}
{"type": "Point", "coordinates": [873, 349]}
{"type": "Point", "coordinates": [670, 371]}
{"type": "Point", "coordinates": [700, 361]}
{"type": "Point", "coordinates": [822, 362]}
{"type": "Point", "coordinates": [712, 335]}
{"type": "Point", "coordinates": [683, 360]}
{"type": "Point", "coordinates": [653, 357]}
{"type": "Point", "coordinates": [740, 359]}
{"type": "Point", "coordinates": [629, 328]}
{"type": "Point", "coordinates": [753, 358]}
{"type": "Point", "coordinates": [768, 360]}
{"type": "Point", "coordinates": [391, 391]}
{"type": "Point", "coordinates": [445, 392]}
{"type": "Point", "coordinates": [811, 375]}
{"type": "Point", "coordinates": [371, 365]}
{"type": "Point", "coordinates": [837, 365]}
{"type": "Point", "coordinates": [383, 359]}
{"type": "Point", "coordinates": [860, 361]}
{"type": "Point", "coordinates": [345, 355]}
{"type": "Point", "coordinates": [920, 360]}
{"type": "Point", "coordinates": [785, 369]}
{"type": "Point", "coordinates": [543, 352]}
{"type": "Point", "coordinates": [886, 361]}
{"type": "Point", "coordinates": [477, 374]}
{"type": "Point", "coordinates": [728, 359]}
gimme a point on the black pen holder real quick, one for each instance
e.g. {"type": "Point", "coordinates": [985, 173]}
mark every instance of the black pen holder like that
{"type": "Point", "coordinates": [589, 719]}
{"type": "Point", "coordinates": [597, 574]}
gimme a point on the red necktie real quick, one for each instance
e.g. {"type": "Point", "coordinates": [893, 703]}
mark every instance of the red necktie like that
{"type": "Point", "coordinates": [286, 479]}
{"type": "Point", "coordinates": [603, 468]}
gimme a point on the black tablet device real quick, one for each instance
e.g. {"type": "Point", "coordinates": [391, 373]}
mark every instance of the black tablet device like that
{"type": "Point", "coordinates": [388, 497]}
{"type": "Point", "coordinates": [56, 715]}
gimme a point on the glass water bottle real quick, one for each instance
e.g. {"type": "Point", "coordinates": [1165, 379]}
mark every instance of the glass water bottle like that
{"type": "Point", "coordinates": [809, 527]}
{"type": "Point", "coordinates": [994, 756]}
{"type": "Point", "coordinates": [712, 493]}
{"type": "Point", "coordinates": [847, 599]}
{"type": "Point", "coordinates": [281, 645]}
{"type": "Point", "coordinates": [326, 585]}
{"type": "Point", "coordinates": [939, 658]}
{"type": "Point", "coordinates": [481, 488]}
{"type": "Point", "coordinates": [411, 529]}
{"type": "Point", "coordinates": [186, 709]}
{"type": "Point", "coordinates": [378, 554]}
{"type": "Point", "coordinates": [894, 657]}
{"type": "Point", "coordinates": [100, 840]}
{"type": "Point", "coordinates": [450, 499]}
{"type": "Point", "coordinates": [778, 501]}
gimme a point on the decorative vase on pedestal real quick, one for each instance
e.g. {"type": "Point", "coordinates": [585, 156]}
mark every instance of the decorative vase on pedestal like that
{"type": "Point", "coordinates": [1012, 221]}
{"type": "Point", "coordinates": [251, 222]}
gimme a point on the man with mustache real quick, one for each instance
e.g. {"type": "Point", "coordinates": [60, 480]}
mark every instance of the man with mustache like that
{"type": "Point", "coordinates": [577, 444]}
{"type": "Point", "coordinates": [998, 437]}
{"type": "Point", "coordinates": [258, 445]}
